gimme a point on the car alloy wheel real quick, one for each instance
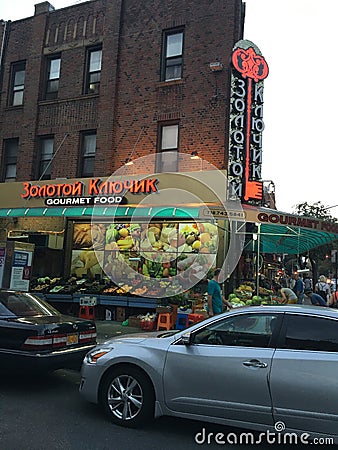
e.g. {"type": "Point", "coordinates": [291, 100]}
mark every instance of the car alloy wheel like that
{"type": "Point", "coordinates": [127, 396]}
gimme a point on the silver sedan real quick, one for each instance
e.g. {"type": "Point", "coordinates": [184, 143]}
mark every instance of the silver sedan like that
{"type": "Point", "coordinates": [252, 367]}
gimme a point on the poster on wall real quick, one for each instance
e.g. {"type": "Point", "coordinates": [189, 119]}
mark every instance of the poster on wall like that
{"type": "Point", "coordinates": [21, 270]}
{"type": "Point", "coordinates": [160, 250]}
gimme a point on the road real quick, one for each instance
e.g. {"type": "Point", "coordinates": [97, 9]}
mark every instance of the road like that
{"type": "Point", "coordinates": [47, 413]}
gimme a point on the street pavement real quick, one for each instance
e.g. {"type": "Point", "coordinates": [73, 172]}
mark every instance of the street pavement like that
{"type": "Point", "coordinates": [110, 328]}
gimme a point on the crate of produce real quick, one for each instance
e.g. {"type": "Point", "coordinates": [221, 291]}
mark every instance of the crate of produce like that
{"type": "Point", "coordinates": [147, 325]}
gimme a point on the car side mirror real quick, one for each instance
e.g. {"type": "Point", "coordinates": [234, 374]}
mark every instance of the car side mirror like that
{"type": "Point", "coordinates": [186, 339]}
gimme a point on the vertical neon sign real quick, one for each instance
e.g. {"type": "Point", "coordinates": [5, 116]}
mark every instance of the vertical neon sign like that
{"type": "Point", "coordinates": [246, 123]}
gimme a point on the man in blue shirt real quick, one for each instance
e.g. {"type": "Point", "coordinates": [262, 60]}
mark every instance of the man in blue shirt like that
{"type": "Point", "coordinates": [298, 288]}
{"type": "Point", "coordinates": [215, 297]}
{"type": "Point", "coordinates": [316, 299]}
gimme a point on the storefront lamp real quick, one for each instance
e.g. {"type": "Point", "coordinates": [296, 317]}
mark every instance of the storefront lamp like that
{"type": "Point", "coordinates": [194, 155]}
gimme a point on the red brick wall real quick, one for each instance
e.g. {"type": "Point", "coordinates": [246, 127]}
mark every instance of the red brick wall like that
{"type": "Point", "coordinates": [132, 98]}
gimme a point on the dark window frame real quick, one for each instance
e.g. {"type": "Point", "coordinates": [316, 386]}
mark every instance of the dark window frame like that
{"type": "Point", "coordinates": [170, 62]}
{"type": "Point", "coordinates": [45, 163]}
{"type": "Point", "coordinates": [161, 151]}
{"type": "Point", "coordinates": [52, 84]}
{"type": "Point", "coordinates": [9, 160]}
{"type": "Point", "coordinates": [92, 77]}
{"type": "Point", "coordinates": [87, 158]}
{"type": "Point", "coordinates": [16, 88]}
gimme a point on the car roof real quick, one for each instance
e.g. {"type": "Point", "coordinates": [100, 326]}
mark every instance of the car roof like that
{"type": "Point", "coordinates": [299, 309]}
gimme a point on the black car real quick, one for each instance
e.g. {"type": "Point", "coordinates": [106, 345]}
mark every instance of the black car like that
{"type": "Point", "coordinates": [35, 336]}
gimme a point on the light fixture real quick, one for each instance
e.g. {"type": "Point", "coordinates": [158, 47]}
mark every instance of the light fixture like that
{"type": "Point", "coordinates": [216, 66]}
{"type": "Point", "coordinates": [194, 155]}
{"type": "Point", "coordinates": [128, 162]}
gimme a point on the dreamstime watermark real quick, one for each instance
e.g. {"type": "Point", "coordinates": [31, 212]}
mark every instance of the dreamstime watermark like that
{"type": "Point", "coordinates": [142, 244]}
{"type": "Point", "coordinates": [279, 436]}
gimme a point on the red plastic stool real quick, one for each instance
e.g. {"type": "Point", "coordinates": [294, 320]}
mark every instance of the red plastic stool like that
{"type": "Point", "coordinates": [87, 312]}
{"type": "Point", "coordinates": [164, 320]}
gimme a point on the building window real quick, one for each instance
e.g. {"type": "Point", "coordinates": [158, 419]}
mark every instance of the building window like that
{"type": "Point", "coordinates": [45, 158]}
{"type": "Point", "coordinates": [88, 150]}
{"type": "Point", "coordinates": [93, 73]}
{"type": "Point", "coordinates": [172, 55]}
{"type": "Point", "coordinates": [53, 77]}
{"type": "Point", "coordinates": [18, 73]}
{"type": "Point", "coordinates": [10, 159]}
{"type": "Point", "coordinates": [167, 160]}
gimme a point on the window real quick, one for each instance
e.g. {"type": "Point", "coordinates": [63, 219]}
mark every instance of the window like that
{"type": "Point", "coordinates": [172, 56]}
{"type": "Point", "coordinates": [311, 333]}
{"type": "Point", "coordinates": [53, 76]}
{"type": "Point", "coordinates": [244, 330]}
{"type": "Point", "coordinates": [10, 159]}
{"type": "Point", "coordinates": [93, 75]}
{"type": "Point", "coordinates": [88, 154]}
{"type": "Point", "coordinates": [167, 160]}
{"type": "Point", "coordinates": [45, 158]}
{"type": "Point", "coordinates": [18, 74]}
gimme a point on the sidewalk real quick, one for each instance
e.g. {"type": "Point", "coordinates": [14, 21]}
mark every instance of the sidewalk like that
{"type": "Point", "coordinates": [109, 328]}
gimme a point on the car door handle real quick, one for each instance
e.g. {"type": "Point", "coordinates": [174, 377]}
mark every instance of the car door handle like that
{"type": "Point", "coordinates": [255, 363]}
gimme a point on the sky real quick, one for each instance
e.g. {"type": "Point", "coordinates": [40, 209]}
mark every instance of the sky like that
{"type": "Point", "coordinates": [298, 40]}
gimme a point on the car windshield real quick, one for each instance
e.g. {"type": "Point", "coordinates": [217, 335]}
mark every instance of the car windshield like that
{"type": "Point", "coordinates": [20, 304]}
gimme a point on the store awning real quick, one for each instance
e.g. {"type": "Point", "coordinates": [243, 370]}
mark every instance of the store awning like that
{"type": "Point", "coordinates": [292, 240]}
{"type": "Point", "coordinates": [120, 212]}
{"type": "Point", "coordinates": [281, 232]}
{"type": "Point", "coordinates": [282, 237]}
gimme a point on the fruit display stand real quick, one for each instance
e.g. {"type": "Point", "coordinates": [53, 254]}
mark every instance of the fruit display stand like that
{"type": "Point", "coordinates": [244, 295]}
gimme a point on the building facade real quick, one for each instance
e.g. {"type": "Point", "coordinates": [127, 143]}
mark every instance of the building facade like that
{"type": "Point", "coordinates": [88, 87]}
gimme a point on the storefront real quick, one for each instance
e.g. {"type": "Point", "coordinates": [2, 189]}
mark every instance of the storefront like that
{"type": "Point", "coordinates": [128, 244]}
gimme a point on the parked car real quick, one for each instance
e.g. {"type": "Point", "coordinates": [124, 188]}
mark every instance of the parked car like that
{"type": "Point", "coordinates": [35, 336]}
{"type": "Point", "coordinates": [251, 367]}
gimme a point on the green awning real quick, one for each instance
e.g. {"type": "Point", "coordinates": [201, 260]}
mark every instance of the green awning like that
{"type": "Point", "coordinates": [99, 211]}
{"type": "Point", "coordinates": [292, 240]}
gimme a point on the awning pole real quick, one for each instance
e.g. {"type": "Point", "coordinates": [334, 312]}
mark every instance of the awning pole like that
{"type": "Point", "coordinates": [258, 256]}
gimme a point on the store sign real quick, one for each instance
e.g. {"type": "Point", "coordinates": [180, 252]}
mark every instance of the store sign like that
{"type": "Point", "coordinates": [246, 123]}
{"type": "Point", "coordinates": [96, 192]}
{"type": "Point", "coordinates": [298, 221]}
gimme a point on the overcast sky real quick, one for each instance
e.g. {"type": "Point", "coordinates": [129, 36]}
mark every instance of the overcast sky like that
{"type": "Point", "coordinates": [298, 40]}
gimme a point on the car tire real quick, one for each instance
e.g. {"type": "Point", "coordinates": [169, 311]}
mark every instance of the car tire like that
{"type": "Point", "coordinates": [127, 396]}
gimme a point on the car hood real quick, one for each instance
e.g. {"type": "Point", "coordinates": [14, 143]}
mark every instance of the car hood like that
{"type": "Point", "coordinates": [137, 338]}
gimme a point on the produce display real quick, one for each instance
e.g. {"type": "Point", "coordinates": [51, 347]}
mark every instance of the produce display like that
{"type": "Point", "coordinates": [244, 295]}
{"type": "Point", "coordinates": [160, 250]}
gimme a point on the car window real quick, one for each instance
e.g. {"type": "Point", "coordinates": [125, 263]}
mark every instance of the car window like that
{"type": "Point", "coordinates": [311, 333]}
{"type": "Point", "coordinates": [245, 330]}
{"type": "Point", "coordinates": [21, 304]}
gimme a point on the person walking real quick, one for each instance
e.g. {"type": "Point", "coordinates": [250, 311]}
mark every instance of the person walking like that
{"type": "Point", "coordinates": [299, 288]}
{"type": "Point", "coordinates": [215, 298]}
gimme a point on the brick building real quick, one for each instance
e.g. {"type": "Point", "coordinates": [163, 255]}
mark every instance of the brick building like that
{"type": "Point", "coordinates": [86, 87]}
